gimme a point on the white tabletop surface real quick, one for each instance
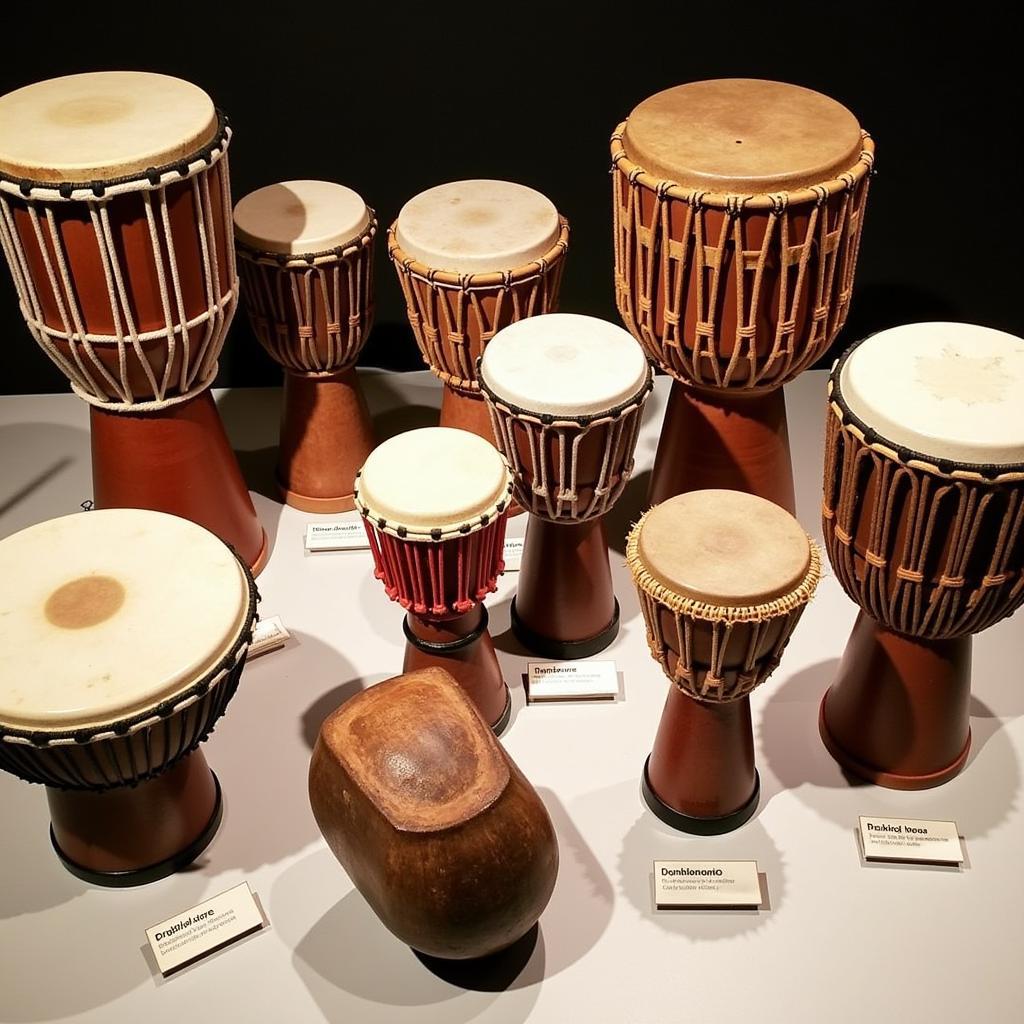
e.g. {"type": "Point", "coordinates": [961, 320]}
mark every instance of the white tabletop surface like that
{"type": "Point", "coordinates": [840, 941]}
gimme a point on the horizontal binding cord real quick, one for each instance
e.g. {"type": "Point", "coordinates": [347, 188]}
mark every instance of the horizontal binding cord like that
{"type": "Point", "coordinates": [151, 175]}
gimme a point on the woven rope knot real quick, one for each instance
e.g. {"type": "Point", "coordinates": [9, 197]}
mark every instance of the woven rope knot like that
{"type": "Point", "coordinates": [995, 580]}
{"type": "Point", "coordinates": [842, 536]}
{"type": "Point", "coordinates": [878, 561]}
{"type": "Point", "coordinates": [820, 313]}
{"type": "Point", "coordinates": [749, 331]}
{"type": "Point", "coordinates": [305, 332]}
{"type": "Point", "coordinates": [951, 581]}
{"type": "Point", "coordinates": [910, 575]}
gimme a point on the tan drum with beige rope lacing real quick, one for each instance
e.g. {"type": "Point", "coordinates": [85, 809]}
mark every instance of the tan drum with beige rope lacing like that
{"type": "Point", "coordinates": [738, 207]}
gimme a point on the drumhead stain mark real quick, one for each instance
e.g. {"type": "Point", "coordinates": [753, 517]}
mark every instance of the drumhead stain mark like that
{"type": "Point", "coordinates": [963, 378]}
{"type": "Point", "coordinates": [90, 110]}
{"type": "Point", "coordinates": [84, 602]}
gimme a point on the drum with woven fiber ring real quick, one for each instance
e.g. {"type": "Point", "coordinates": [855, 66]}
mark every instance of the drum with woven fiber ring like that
{"type": "Point", "coordinates": [566, 394]}
{"type": "Point", "coordinates": [434, 503]}
{"type": "Point", "coordinates": [305, 253]}
{"type": "Point", "coordinates": [115, 218]}
{"type": "Point", "coordinates": [723, 578]}
{"type": "Point", "coordinates": [124, 634]}
{"type": "Point", "coordinates": [738, 206]}
{"type": "Point", "coordinates": [473, 257]}
{"type": "Point", "coordinates": [923, 518]}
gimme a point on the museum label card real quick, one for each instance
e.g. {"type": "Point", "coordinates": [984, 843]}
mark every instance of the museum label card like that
{"type": "Point", "coordinates": [911, 840]}
{"type": "Point", "coordinates": [513, 553]}
{"type": "Point", "coordinates": [715, 884]}
{"type": "Point", "coordinates": [268, 635]}
{"type": "Point", "coordinates": [571, 680]}
{"type": "Point", "coordinates": [203, 929]}
{"type": "Point", "coordinates": [344, 535]}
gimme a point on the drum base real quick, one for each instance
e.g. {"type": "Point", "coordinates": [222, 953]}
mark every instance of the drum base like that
{"type": "Point", "coordinates": [176, 460]}
{"type": "Point", "coordinates": [724, 440]}
{"type": "Point", "coordinates": [700, 774]}
{"type": "Point", "coordinates": [137, 835]}
{"type": "Point", "coordinates": [326, 435]}
{"type": "Point", "coordinates": [898, 713]}
{"type": "Point", "coordinates": [564, 650]}
{"type": "Point", "coordinates": [463, 648]}
{"type": "Point", "coordinates": [565, 606]}
{"type": "Point", "coordinates": [698, 826]}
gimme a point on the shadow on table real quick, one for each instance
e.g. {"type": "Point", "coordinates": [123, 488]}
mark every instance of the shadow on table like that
{"type": "Point", "coordinates": [650, 839]}
{"type": "Point", "coordinates": [252, 419]}
{"type": "Point", "coordinates": [260, 753]}
{"type": "Point", "coordinates": [395, 410]}
{"type": "Point", "coordinates": [626, 511]}
{"type": "Point", "coordinates": [313, 717]}
{"type": "Point", "coordinates": [356, 969]}
{"type": "Point", "coordinates": [978, 799]}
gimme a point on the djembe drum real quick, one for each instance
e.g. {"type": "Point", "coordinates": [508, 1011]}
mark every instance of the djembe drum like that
{"type": "Point", "coordinates": [115, 218]}
{"type": "Point", "coordinates": [738, 207]}
{"type": "Point", "coordinates": [566, 393]}
{"type": "Point", "coordinates": [434, 503]}
{"type": "Point", "coordinates": [923, 517]}
{"type": "Point", "coordinates": [124, 634]}
{"type": "Point", "coordinates": [305, 253]}
{"type": "Point", "coordinates": [438, 829]}
{"type": "Point", "coordinates": [473, 257]}
{"type": "Point", "coordinates": [723, 578]}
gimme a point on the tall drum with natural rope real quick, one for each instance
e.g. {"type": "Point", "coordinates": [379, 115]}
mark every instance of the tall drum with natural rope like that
{"type": "Point", "coordinates": [923, 518]}
{"type": "Point", "coordinates": [305, 252]}
{"type": "Point", "coordinates": [738, 207]}
{"type": "Point", "coordinates": [115, 219]}
{"type": "Point", "coordinates": [473, 257]}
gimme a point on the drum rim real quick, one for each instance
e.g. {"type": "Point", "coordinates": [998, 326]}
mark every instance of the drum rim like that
{"type": "Point", "coordinates": [432, 276]}
{"type": "Point", "coordinates": [122, 728]}
{"type": "Point", "coordinates": [304, 260]}
{"type": "Point", "coordinates": [147, 178]}
{"type": "Point", "coordinates": [737, 202]}
{"type": "Point", "coordinates": [981, 472]}
{"type": "Point", "coordinates": [709, 612]}
{"type": "Point", "coordinates": [581, 420]}
{"type": "Point", "coordinates": [479, 521]}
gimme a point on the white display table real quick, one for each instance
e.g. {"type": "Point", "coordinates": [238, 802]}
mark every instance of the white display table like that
{"type": "Point", "coordinates": [841, 941]}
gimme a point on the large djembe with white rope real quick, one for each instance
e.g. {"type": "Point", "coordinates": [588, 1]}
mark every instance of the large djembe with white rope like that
{"type": "Point", "coordinates": [738, 208]}
{"type": "Point", "coordinates": [115, 219]}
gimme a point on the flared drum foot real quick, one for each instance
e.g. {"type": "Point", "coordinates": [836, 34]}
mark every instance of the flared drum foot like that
{"type": "Point", "coordinates": [699, 826]}
{"type": "Point", "coordinates": [564, 650]}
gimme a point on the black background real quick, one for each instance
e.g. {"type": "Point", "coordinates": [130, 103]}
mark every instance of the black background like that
{"type": "Point", "coordinates": [391, 98]}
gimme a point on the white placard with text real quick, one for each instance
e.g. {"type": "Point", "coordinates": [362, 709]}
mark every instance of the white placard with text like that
{"type": "Point", "coordinates": [571, 680]}
{"type": "Point", "coordinates": [695, 884]}
{"type": "Point", "coordinates": [343, 535]}
{"type": "Point", "coordinates": [513, 553]}
{"type": "Point", "coordinates": [204, 928]}
{"type": "Point", "coordinates": [911, 840]}
{"type": "Point", "coordinates": [268, 635]}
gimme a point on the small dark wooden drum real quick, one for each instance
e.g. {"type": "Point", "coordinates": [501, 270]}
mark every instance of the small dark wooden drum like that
{"type": "Point", "coordinates": [115, 218]}
{"type": "Point", "coordinates": [738, 208]}
{"type": "Point", "coordinates": [124, 632]}
{"type": "Point", "coordinates": [434, 503]}
{"type": "Point", "coordinates": [473, 257]}
{"type": "Point", "coordinates": [305, 253]}
{"type": "Point", "coordinates": [436, 826]}
{"type": "Point", "coordinates": [566, 394]}
{"type": "Point", "coordinates": [723, 578]}
{"type": "Point", "coordinates": [923, 517]}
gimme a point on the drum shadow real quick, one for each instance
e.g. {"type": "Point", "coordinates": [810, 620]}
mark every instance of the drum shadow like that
{"type": "Point", "coordinates": [251, 418]}
{"type": "Point", "coordinates": [397, 408]}
{"type": "Point", "coordinates": [260, 754]}
{"type": "Point", "coordinates": [268, 511]}
{"type": "Point", "coordinates": [632, 504]}
{"type": "Point", "coordinates": [355, 969]}
{"type": "Point", "coordinates": [650, 839]}
{"type": "Point", "coordinates": [87, 956]}
{"type": "Point", "coordinates": [35, 879]}
{"type": "Point", "coordinates": [979, 799]}
{"type": "Point", "coordinates": [47, 473]}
